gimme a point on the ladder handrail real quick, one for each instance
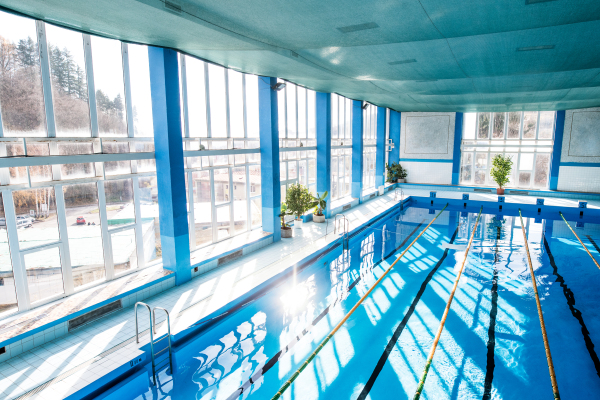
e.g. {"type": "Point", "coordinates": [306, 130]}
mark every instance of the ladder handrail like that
{"type": "Point", "coordinates": [137, 335]}
{"type": "Point", "coordinates": [168, 331]}
{"type": "Point", "coordinates": [396, 194]}
{"type": "Point", "coordinates": [346, 223]}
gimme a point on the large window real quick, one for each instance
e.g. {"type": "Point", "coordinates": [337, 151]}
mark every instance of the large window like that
{"type": "Point", "coordinates": [297, 143]}
{"type": "Point", "coordinates": [221, 143]}
{"type": "Point", "coordinates": [369, 146]}
{"type": "Point", "coordinates": [527, 137]}
{"type": "Point", "coordinates": [81, 222]}
{"type": "Point", "coordinates": [341, 146]}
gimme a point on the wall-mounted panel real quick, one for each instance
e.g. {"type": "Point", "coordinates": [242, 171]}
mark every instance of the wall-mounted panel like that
{"type": "Point", "coordinates": [427, 136]}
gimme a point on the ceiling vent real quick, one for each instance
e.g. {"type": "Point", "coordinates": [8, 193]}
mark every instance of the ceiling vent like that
{"type": "Point", "coordinates": [528, 2]}
{"type": "Point", "coordinates": [412, 60]}
{"type": "Point", "coordinates": [533, 48]}
{"type": "Point", "coordinates": [359, 27]}
{"type": "Point", "coordinates": [176, 8]}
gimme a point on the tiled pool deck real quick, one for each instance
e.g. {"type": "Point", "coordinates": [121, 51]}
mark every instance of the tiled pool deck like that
{"type": "Point", "coordinates": [67, 364]}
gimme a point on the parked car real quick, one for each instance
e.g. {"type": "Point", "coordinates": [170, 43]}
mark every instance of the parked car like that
{"type": "Point", "coordinates": [80, 221]}
{"type": "Point", "coordinates": [2, 221]}
{"type": "Point", "coordinates": [24, 221]}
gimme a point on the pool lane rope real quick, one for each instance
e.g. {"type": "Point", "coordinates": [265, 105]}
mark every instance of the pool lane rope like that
{"type": "Point", "coordinates": [586, 249]}
{"type": "Point", "coordinates": [540, 314]}
{"type": "Point", "coordinates": [446, 311]}
{"type": "Point", "coordinates": [289, 382]}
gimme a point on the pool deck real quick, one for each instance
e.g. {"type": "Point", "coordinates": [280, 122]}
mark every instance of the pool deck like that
{"type": "Point", "coordinates": [63, 366]}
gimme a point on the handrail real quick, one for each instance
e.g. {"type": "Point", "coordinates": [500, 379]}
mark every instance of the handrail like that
{"type": "Point", "coordinates": [443, 321]}
{"type": "Point", "coordinates": [345, 221]}
{"type": "Point", "coordinates": [584, 246]}
{"type": "Point", "coordinates": [396, 194]}
{"type": "Point", "coordinates": [168, 330]}
{"type": "Point", "coordinates": [540, 314]}
{"type": "Point", "coordinates": [137, 336]}
{"type": "Point", "coordinates": [339, 325]}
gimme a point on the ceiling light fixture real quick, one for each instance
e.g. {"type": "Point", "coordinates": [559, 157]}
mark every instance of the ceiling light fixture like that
{"type": "Point", "coordinates": [359, 27]}
{"type": "Point", "coordinates": [528, 2]}
{"type": "Point", "coordinates": [365, 105]}
{"type": "Point", "coordinates": [533, 48]}
{"type": "Point", "coordinates": [412, 60]}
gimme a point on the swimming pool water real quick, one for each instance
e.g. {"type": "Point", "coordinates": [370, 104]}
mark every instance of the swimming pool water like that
{"type": "Point", "coordinates": [491, 347]}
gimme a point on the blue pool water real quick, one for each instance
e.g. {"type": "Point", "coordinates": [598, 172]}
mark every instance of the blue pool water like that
{"type": "Point", "coordinates": [492, 345]}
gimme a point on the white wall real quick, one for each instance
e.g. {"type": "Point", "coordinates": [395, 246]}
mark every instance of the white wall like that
{"type": "Point", "coordinates": [427, 136]}
{"type": "Point", "coordinates": [581, 144]}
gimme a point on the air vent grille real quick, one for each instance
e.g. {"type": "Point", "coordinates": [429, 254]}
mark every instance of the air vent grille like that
{"type": "Point", "coordinates": [347, 207]}
{"type": "Point", "coordinates": [482, 190]}
{"type": "Point", "coordinates": [519, 192]}
{"type": "Point", "coordinates": [359, 27]}
{"type": "Point", "coordinates": [534, 48]}
{"type": "Point", "coordinates": [230, 257]}
{"type": "Point", "coordinates": [412, 60]}
{"type": "Point", "coordinates": [373, 195]}
{"type": "Point", "coordinates": [94, 315]}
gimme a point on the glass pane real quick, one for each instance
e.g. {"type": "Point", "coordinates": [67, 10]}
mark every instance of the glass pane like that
{"type": "Point", "coordinates": [21, 96]}
{"type": "Point", "coordinates": [529, 124]}
{"type": "Point", "coordinates": [141, 100]}
{"type": "Point", "coordinates": [498, 132]}
{"type": "Point", "coordinates": [291, 110]}
{"type": "Point", "coordinates": [281, 111]}
{"type": "Point", "coordinates": [526, 161]}
{"type": "Point", "coordinates": [334, 116]}
{"type": "Point", "coordinates": [8, 294]}
{"type": "Point", "coordinates": [312, 171]}
{"type": "Point", "coordinates": [108, 79]}
{"type": "Point", "coordinates": [150, 218]}
{"type": "Point", "coordinates": [119, 202]}
{"type": "Point", "coordinates": [256, 210]}
{"type": "Point", "coordinates": [44, 274]}
{"type": "Point", "coordinates": [202, 207]}
{"type": "Point", "coordinates": [255, 180]}
{"type": "Point", "coordinates": [348, 119]}
{"type": "Point", "coordinates": [283, 192]}
{"type": "Point", "coordinates": [223, 222]}
{"type": "Point", "coordinates": [39, 173]}
{"type": "Point", "coordinates": [218, 115]}
{"type": "Point", "coordinates": [69, 82]}
{"type": "Point", "coordinates": [75, 171]}
{"type": "Point", "coordinates": [240, 206]}
{"type": "Point", "coordinates": [480, 177]}
{"type": "Point", "coordinates": [484, 126]}
{"type": "Point", "coordinates": [124, 250]}
{"type": "Point", "coordinates": [85, 234]}
{"type": "Point", "coordinates": [283, 171]}
{"type": "Point", "coordinates": [196, 95]}
{"type": "Point", "coordinates": [546, 124]}
{"type": "Point", "coordinates": [236, 104]}
{"type": "Point", "coordinates": [252, 106]}
{"type": "Point", "coordinates": [292, 173]}
{"type": "Point", "coordinates": [17, 174]}
{"type": "Point", "coordinates": [481, 161]}
{"type": "Point", "coordinates": [465, 173]}
{"type": "Point", "coordinates": [311, 112]}
{"type": "Point", "coordinates": [116, 167]}
{"type": "Point", "coordinates": [221, 185]}
{"type": "Point", "coordinates": [36, 217]}
{"type": "Point", "coordinates": [524, 178]}
{"type": "Point", "coordinates": [514, 125]}
{"type": "Point", "coordinates": [542, 166]}
{"type": "Point", "coordinates": [302, 172]}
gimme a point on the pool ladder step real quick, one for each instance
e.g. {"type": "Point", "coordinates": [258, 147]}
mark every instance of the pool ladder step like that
{"type": "Point", "coordinates": [156, 365]}
{"type": "Point", "coordinates": [344, 229]}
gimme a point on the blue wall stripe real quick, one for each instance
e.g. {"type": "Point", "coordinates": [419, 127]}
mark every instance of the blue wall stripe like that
{"type": "Point", "coordinates": [269, 156]}
{"type": "Point", "coordinates": [168, 144]}
{"type": "Point", "coordinates": [357, 148]}
{"type": "Point", "coordinates": [578, 164]}
{"type": "Point", "coordinates": [458, 128]}
{"type": "Point", "coordinates": [323, 116]}
{"type": "Point", "coordinates": [380, 149]}
{"type": "Point", "coordinates": [395, 118]}
{"type": "Point", "coordinates": [427, 160]}
{"type": "Point", "coordinates": [559, 128]}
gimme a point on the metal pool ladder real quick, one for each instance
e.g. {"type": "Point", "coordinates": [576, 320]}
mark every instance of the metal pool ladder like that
{"type": "Point", "coordinates": [152, 315]}
{"type": "Point", "coordinates": [396, 191]}
{"type": "Point", "coordinates": [346, 227]}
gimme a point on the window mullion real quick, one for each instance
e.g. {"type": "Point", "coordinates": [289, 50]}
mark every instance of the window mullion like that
{"type": "Point", "coordinates": [191, 214]}
{"type": "Point", "coordinates": [207, 101]}
{"type": "Point", "coordinates": [184, 96]}
{"type": "Point", "coordinates": [65, 254]}
{"type": "Point", "coordinates": [106, 240]}
{"type": "Point", "coordinates": [248, 200]}
{"type": "Point", "coordinates": [127, 88]}
{"type": "Point", "coordinates": [213, 208]}
{"type": "Point", "coordinates": [89, 71]}
{"type": "Point", "coordinates": [46, 78]}
{"type": "Point", "coordinates": [227, 111]}
{"type": "Point", "coordinates": [139, 235]}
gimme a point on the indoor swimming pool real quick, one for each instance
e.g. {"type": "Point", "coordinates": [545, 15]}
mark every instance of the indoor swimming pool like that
{"type": "Point", "coordinates": [491, 346]}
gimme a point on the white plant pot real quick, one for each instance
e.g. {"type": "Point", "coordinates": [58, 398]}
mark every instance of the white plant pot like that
{"type": "Point", "coordinates": [286, 232]}
{"type": "Point", "coordinates": [298, 224]}
{"type": "Point", "coordinates": [401, 180]}
{"type": "Point", "coordinates": [319, 218]}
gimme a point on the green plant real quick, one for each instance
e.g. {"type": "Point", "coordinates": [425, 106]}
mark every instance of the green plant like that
{"type": "Point", "coordinates": [299, 200]}
{"type": "Point", "coordinates": [320, 203]}
{"type": "Point", "coordinates": [501, 167]}
{"type": "Point", "coordinates": [395, 172]}
{"type": "Point", "coordinates": [284, 212]}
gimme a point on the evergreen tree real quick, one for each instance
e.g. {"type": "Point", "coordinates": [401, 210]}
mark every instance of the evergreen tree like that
{"type": "Point", "coordinates": [27, 53]}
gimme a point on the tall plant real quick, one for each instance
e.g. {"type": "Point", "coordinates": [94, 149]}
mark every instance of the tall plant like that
{"type": "Point", "coordinates": [321, 203]}
{"type": "Point", "coordinates": [395, 172]}
{"type": "Point", "coordinates": [299, 199]}
{"type": "Point", "coordinates": [501, 167]}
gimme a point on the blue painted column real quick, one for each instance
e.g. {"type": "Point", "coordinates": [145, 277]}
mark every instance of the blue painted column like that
{"type": "Point", "coordinates": [380, 149]}
{"type": "Point", "coordinates": [168, 145]}
{"type": "Point", "coordinates": [357, 148]}
{"type": "Point", "coordinates": [559, 129]}
{"type": "Point", "coordinates": [395, 136]}
{"type": "Point", "coordinates": [458, 128]}
{"type": "Point", "coordinates": [269, 156]}
{"type": "Point", "coordinates": [324, 147]}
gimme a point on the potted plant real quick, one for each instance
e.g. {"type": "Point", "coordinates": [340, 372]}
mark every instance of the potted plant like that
{"type": "Point", "coordinates": [501, 167]}
{"type": "Point", "coordinates": [299, 200]}
{"type": "Point", "coordinates": [286, 231]}
{"type": "Point", "coordinates": [395, 173]}
{"type": "Point", "coordinates": [320, 205]}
